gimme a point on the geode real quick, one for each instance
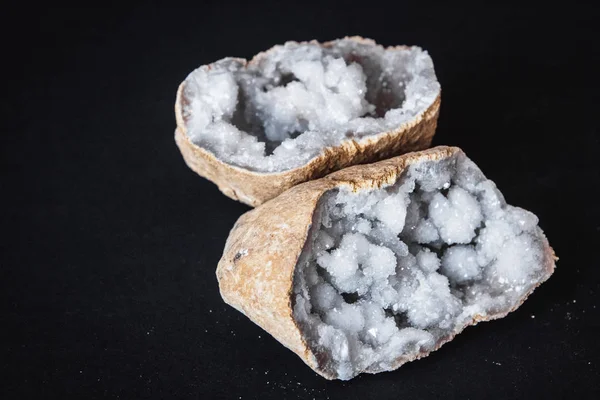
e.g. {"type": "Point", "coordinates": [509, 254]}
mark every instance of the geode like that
{"type": "Point", "coordinates": [380, 264]}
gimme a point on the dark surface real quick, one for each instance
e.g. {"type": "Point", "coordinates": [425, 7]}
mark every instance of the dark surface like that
{"type": "Point", "coordinates": [109, 243]}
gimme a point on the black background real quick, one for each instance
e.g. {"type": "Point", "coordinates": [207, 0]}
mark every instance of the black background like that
{"type": "Point", "coordinates": [109, 243]}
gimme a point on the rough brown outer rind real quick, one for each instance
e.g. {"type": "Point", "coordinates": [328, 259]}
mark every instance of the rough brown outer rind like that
{"type": "Point", "coordinates": [256, 271]}
{"type": "Point", "coordinates": [254, 188]}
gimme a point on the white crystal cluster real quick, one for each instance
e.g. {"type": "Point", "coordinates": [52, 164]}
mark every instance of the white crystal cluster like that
{"type": "Point", "coordinates": [391, 273]}
{"type": "Point", "coordinates": [279, 113]}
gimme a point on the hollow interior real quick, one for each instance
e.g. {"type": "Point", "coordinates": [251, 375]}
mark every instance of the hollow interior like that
{"type": "Point", "coordinates": [389, 274]}
{"type": "Point", "coordinates": [281, 110]}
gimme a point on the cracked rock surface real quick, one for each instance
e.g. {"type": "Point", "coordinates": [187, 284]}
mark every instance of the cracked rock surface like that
{"type": "Point", "coordinates": [380, 264]}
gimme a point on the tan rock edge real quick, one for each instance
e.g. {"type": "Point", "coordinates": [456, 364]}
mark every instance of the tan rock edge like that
{"type": "Point", "coordinates": [256, 271]}
{"type": "Point", "coordinates": [254, 188]}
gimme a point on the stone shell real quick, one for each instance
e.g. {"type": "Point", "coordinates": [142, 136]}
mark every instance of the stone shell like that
{"type": "Point", "coordinates": [254, 188]}
{"type": "Point", "coordinates": [256, 271]}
